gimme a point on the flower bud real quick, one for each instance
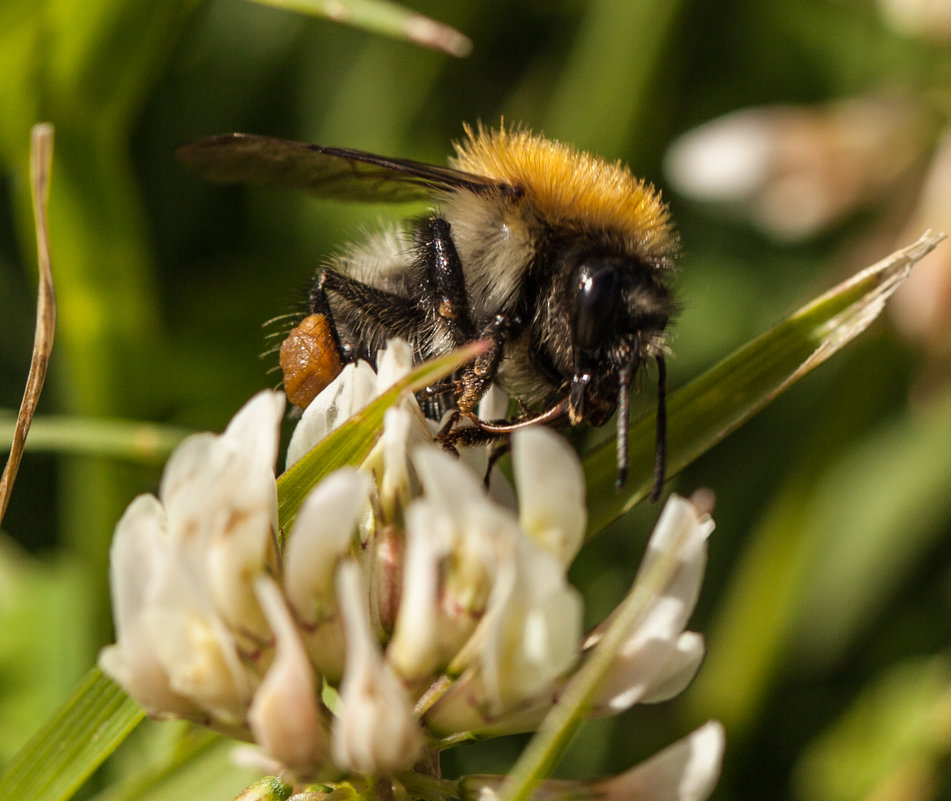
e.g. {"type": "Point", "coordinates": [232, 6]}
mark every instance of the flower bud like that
{"type": "Point", "coordinates": [376, 731]}
{"type": "Point", "coordinates": [285, 716]}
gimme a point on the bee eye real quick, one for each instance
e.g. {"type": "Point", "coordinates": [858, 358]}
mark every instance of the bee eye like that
{"type": "Point", "coordinates": [596, 303]}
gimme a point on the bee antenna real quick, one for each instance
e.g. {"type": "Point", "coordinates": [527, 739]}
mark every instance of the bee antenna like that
{"type": "Point", "coordinates": [623, 420]}
{"type": "Point", "coordinates": [660, 441]}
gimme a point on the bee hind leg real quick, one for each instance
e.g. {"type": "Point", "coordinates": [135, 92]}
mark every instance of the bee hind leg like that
{"type": "Point", "coordinates": [364, 316]}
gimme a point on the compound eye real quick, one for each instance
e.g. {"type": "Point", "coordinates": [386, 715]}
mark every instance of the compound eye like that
{"type": "Point", "coordinates": [596, 304]}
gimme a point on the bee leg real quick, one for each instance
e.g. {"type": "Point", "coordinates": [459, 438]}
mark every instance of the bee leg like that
{"type": "Point", "coordinates": [436, 399]}
{"type": "Point", "coordinates": [499, 444]}
{"type": "Point", "coordinates": [365, 317]}
{"type": "Point", "coordinates": [445, 282]}
{"type": "Point", "coordinates": [480, 373]}
{"type": "Point", "coordinates": [498, 434]}
{"type": "Point", "coordinates": [319, 304]}
{"type": "Point", "coordinates": [660, 442]}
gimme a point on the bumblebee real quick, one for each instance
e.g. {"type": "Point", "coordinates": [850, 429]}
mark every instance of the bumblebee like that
{"type": "Point", "coordinates": [560, 260]}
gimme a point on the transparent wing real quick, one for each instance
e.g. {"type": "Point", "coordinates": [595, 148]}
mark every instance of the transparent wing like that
{"type": "Point", "coordinates": [333, 172]}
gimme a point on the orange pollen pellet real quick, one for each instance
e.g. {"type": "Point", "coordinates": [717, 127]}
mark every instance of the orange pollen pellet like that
{"type": "Point", "coordinates": [310, 360]}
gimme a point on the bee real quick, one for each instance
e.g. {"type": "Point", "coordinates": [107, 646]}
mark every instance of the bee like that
{"type": "Point", "coordinates": [561, 261]}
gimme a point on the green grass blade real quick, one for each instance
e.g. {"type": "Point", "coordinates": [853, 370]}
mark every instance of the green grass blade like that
{"type": "Point", "coordinates": [128, 440]}
{"type": "Point", "coordinates": [73, 743]}
{"type": "Point", "coordinates": [385, 18]}
{"type": "Point", "coordinates": [719, 401]}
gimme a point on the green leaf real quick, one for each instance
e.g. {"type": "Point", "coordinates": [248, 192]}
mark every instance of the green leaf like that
{"type": "Point", "coordinates": [73, 743]}
{"type": "Point", "coordinates": [719, 401]}
{"type": "Point", "coordinates": [388, 19]}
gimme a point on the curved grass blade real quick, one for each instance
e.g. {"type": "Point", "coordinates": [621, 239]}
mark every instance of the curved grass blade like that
{"type": "Point", "coordinates": [73, 743]}
{"type": "Point", "coordinates": [352, 442]}
{"type": "Point", "coordinates": [719, 401]}
{"type": "Point", "coordinates": [386, 18]}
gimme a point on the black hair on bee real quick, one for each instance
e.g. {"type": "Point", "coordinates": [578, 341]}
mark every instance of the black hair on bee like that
{"type": "Point", "coordinates": [560, 260]}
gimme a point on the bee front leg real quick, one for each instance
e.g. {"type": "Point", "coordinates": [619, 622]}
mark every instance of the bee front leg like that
{"type": "Point", "coordinates": [444, 281]}
{"type": "Point", "coordinates": [480, 373]}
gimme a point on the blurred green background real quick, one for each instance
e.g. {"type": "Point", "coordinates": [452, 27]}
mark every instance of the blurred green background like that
{"type": "Point", "coordinates": [827, 601]}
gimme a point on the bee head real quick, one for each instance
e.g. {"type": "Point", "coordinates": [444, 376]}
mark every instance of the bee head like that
{"type": "Point", "coordinates": [619, 310]}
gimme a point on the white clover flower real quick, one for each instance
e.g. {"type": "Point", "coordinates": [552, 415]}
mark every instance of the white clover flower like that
{"type": "Point", "coordinates": [183, 568]}
{"type": "Point", "coordinates": [657, 660]}
{"type": "Point", "coordinates": [408, 609]}
{"type": "Point", "coordinates": [321, 538]}
{"type": "Point", "coordinates": [139, 550]}
{"type": "Point", "coordinates": [551, 499]}
{"type": "Point", "coordinates": [685, 771]}
{"type": "Point", "coordinates": [349, 392]}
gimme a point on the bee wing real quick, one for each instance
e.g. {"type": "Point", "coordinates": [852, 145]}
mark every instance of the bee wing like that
{"type": "Point", "coordinates": [333, 172]}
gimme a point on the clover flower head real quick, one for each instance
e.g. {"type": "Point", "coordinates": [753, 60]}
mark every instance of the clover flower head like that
{"type": "Point", "coordinates": [405, 610]}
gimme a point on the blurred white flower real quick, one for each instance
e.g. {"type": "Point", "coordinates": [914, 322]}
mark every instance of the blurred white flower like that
{"type": "Point", "coordinates": [792, 171]}
{"type": "Point", "coordinates": [795, 171]}
{"type": "Point", "coordinates": [930, 19]}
